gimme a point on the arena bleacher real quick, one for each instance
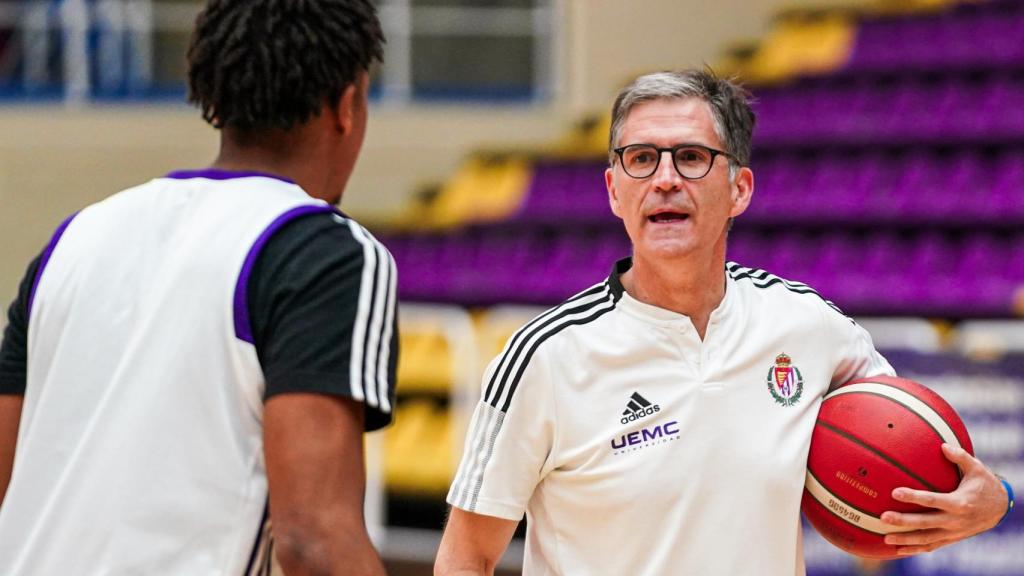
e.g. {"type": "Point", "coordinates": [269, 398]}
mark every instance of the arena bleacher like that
{"type": "Point", "coordinates": [889, 169]}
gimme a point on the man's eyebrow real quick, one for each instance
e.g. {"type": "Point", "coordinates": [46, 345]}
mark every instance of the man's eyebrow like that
{"type": "Point", "coordinates": [679, 145]}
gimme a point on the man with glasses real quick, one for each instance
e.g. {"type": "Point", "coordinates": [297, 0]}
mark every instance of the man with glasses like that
{"type": "Point", "coordinates": [634, 423]}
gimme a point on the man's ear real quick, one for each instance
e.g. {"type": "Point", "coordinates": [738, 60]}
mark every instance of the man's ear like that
{"type": "Point", "coordinates": [742, 191]}
{"type": "Point", "coordinates": [613, 194]}
{"type": "Point", "coordinates": [350, 103]}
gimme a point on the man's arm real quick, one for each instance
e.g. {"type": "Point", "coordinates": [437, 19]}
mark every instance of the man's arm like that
{"type": "Point", "coordinates": [10, 416]}
{"type": "Point", "coordinates": [13, 369]}
{"type": "Point", "coordinates": [311, 318]}
{"type": "Point", "coordinates": [314, 453]}
{"type": "Point", "coordinates": [978, 503]}
{"type": "Point", "coordinates": [472, 544]}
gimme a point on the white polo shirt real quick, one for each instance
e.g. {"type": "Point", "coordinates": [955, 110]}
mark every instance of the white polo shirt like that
{"type": "Point", "coordinates": [635, 448]}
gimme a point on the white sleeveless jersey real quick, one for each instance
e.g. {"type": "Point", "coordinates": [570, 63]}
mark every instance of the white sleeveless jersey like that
{"type": "Point", "coordinates": [140, 447]}
{"type": "Point", "coordinates": [634, 447]}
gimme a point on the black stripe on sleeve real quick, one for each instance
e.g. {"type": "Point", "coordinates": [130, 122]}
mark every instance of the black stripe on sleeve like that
{"type": "Point", "coordinates": [521, 350]}
{"type": "Point", "coordinates": [598, 311]}
{"type": "Point", "coordinates": [14, 349]}
{"type": "Point", "coordinates": [515, 343]}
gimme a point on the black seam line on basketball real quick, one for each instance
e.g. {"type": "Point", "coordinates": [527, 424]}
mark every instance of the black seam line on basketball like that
{"type": "Point", "coordinates": [843, 518]}
{"type": "Point", "coordinates": [526, 360]}
{"type": "Point", "coordinates": [518, 338]}
{"type": "Point", "coordinates": [914, 412]}
{"type": "Point", "coordinates": [259, 538]}
{"type": "Point", "coordinates": [508, 360]}
{"type": "Point", "coordinates": [878, 452]}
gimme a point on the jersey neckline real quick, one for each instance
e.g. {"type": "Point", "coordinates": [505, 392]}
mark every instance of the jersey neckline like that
{"type": "Point", "coordinates": [218, 174]}
{"type": "Point", "coordinates": [655, 314]}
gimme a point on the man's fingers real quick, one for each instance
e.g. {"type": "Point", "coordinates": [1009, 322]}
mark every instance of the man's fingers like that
{"type": "Point", "coordinates": [916, 521]}
{"type": "Point", "coordinates": [960, 457]}
{"type": "Point", "coordinates": [912, 550]}
{"type": "Point", "coordinates": [916, 538]}
{"type": "Point", "coordinates": [924, 498]}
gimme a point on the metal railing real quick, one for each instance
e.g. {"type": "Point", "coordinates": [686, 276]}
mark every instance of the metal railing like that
{"type": "Point", "coordinates": [80, 50]}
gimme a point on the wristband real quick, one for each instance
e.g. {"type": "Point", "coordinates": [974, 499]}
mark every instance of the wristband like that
{"type": "Point", "coordinates": [1009, 495]}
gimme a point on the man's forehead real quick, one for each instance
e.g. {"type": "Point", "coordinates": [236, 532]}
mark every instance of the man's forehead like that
{"type": "Point", "coordinates": [668, 118]}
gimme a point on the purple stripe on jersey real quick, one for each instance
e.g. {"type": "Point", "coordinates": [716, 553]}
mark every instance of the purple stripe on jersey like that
{"type": "Point", "coordinates": [243, 326]}
{"type": "Point", "coordinates": [45, 258]}
{"type": "Point", "coordinates": [215, 174]}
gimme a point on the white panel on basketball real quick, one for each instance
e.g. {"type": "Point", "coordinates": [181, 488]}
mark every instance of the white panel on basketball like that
{"type": "Point", "coordinates": [920, 408]}
{"type": "Point", "coordinates": [837, 506]}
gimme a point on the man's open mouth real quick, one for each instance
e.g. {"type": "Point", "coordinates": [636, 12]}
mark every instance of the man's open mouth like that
{"type": "Point", "coordinates": [668, 217]}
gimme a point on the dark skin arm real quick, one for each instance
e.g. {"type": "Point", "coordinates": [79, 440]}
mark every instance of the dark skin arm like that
{"type": "Point", "coordinates": [10, 416]}
{"type": "Point", "coordinates": [314, 453]}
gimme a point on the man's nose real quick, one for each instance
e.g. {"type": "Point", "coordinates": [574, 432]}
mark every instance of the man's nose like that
{"type": "Point", "coordinates": [666, 177]}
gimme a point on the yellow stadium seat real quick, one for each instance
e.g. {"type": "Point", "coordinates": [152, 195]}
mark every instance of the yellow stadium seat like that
{"type": "Point", "coordinates": [802, 44]}
{"type": "Point", "coordinates": [910, 6]}
{"type": "Point", "coordinates": [588, 139]}
{"type": "Point", "coordinates": [418, 456]}
{"type": "Point", "coordinates": [495, 326]}
{"type": "Point", "coordinates": [484, 189]}
{"type": "Point", "coordinates": [425, 362]}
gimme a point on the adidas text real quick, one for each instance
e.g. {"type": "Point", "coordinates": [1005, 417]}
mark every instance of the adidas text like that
{"type": "Point", "coordinates": [640, 414]}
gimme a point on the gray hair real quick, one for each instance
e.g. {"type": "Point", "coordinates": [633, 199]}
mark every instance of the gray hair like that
{"type": "Point", "coordinates": [729, 102]}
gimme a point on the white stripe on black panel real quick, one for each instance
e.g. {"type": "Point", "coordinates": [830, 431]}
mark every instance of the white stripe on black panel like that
{"type": "Point", "coordinates": [363, 312]}
{"type": "Point", "coordinates": [384, 360]}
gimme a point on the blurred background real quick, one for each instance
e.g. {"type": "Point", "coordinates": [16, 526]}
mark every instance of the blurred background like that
{"type": "Point", "coordinates": [889, 165]}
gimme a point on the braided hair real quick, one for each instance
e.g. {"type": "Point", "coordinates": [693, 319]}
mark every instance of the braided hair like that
{"type": "Point", "coordinates": [273, 64]}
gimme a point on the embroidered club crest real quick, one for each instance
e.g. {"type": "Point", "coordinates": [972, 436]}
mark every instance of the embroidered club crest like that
{"type": "Point", "coordinates": [785, 382]}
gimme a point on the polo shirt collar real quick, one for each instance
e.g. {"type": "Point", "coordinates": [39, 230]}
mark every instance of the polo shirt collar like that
{"type": "Point", "coordinates": [656, 314]}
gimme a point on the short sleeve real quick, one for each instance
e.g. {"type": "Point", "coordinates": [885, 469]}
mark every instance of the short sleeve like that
{"type": "Point", "coordinates": [856, 356]}
{"type": "Point", "coordinates": [14, 349]}
{"type": "Point", "coordinates": [322, 307]}
{"type": "Point", "coordinates": [509, 441]}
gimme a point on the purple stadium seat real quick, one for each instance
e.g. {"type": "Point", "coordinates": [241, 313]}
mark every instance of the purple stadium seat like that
{"type": "Point", "coordinates": [779, 183]}
{"type": "Point", "coordinates": [984, 255]}
{"type": "Point", "coordinates": [894, 186]}
{"type": "Point", "coordinates": [1007, 197]}
{"type": "Point", "coordinates": [971, 35]}
{"type": "Point", "coordinates": [566, 192]}
{"type": "Point", "coordinates": [836, 189]}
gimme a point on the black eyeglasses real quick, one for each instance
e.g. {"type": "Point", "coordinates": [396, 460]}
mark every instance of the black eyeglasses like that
{"type": "Point", "coordinates": [692, 161]}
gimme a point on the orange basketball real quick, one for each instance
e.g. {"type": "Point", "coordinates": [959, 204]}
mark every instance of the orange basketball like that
{"type": "Point", "coordinates": [874, 435]}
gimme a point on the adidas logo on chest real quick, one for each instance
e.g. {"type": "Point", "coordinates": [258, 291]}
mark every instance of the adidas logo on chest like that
{"type": "Point", "coordinates": [638, 407]}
